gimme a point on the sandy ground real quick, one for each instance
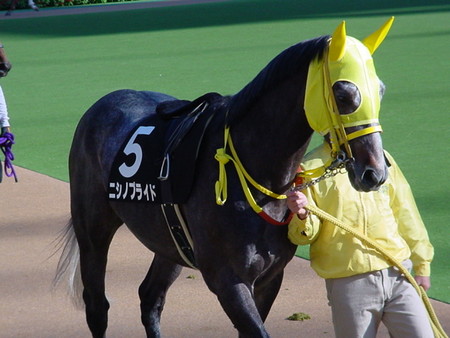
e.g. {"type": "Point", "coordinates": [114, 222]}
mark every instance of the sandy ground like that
{"type": "Point", "coordinates": [34, 211]}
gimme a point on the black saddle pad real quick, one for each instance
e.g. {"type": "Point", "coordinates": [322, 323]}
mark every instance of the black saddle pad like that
{"type": "Point", "coordinates": [156, 163]}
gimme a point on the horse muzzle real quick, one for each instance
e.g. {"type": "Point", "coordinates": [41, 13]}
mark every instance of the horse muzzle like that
{"type": "Point", "coordinates": [5, 67]}
{"type": "Point", "coordinates": [368, 178]}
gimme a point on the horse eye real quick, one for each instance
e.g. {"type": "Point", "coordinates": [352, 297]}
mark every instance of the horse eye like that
{"type": "Point", "coordinates": [347, 96]}
{"type": "Point", "coordinates": [341, 98]}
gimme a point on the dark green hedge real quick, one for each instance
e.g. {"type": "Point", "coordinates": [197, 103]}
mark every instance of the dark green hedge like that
{"type": "Point", "coordinates": [4, 4]}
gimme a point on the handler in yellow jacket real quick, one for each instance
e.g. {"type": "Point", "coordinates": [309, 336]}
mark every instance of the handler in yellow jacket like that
{"type": "Point", "coordinates": [362, 288]}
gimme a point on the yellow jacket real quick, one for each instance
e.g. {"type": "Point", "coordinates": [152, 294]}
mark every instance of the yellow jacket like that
{"type": "Point", "coordinates": [388, 216]}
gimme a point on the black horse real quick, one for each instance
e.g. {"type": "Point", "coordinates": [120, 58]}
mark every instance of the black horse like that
{"type": "Point", "coordinates": [240, 254]}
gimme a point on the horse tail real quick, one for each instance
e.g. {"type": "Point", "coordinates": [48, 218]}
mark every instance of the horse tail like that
{"type": "Point", "coordinates": [69, 266]}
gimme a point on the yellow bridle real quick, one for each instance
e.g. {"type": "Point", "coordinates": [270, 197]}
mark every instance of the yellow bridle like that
{"type": "Point", "coordinates": [346, 59]}
{"type": "Point", "coordinates": [221, 185]}
{"type": "Point", "coordinates": [338, 135]}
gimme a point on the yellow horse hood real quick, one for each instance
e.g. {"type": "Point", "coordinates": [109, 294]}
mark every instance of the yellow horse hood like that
{"type": "Point", "coordinates": [347, 59]}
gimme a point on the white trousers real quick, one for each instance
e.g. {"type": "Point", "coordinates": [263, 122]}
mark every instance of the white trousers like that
{"type": "Point", "coordinates": [4, 119]}
{"type": "Point", "coordinates": [359, 303]}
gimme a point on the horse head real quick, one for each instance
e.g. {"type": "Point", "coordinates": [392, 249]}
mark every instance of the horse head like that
{"type": "Point", "coordinates": [5, 65]}
{"type": "Point", "coordinates": [342, 101]}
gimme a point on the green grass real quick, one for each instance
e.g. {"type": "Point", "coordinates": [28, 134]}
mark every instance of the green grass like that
{"type": "Point", "coordinates": [64, 64]}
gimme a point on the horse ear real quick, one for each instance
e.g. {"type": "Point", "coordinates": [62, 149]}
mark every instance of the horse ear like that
{"type": "Point", "coordinates": [375, 39]}
{"type": "Point", "coordinates": [337, 44]}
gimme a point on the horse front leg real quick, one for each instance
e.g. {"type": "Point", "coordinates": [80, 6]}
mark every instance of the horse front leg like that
{"type": "Point", "coordinates": [237, 300]}
{"type": "Point", "coordinates": [153, 290]}
{"type": "Point", "coordinates": [265, 293]}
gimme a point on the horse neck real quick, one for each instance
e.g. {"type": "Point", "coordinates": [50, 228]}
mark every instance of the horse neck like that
{"type": "Point", "coordinates": [272, 137]}
{"type": "Point", "coordinates": [271, 130]}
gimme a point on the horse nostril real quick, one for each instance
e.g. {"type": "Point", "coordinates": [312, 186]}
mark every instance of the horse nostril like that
{"type": "Point", "coordinates": [371, 179]}
{"type": "Point", "coordinates": [5, 66]}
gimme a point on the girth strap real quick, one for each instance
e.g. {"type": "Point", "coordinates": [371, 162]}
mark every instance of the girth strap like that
{"type": "Point", "coordinates": [179, 232]}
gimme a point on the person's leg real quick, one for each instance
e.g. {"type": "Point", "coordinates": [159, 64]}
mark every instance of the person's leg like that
{"type": "Point", "coordinates": [405, 314]}
{"type": "Point", "coordinates": [32, 5]}
{"type": "Point", "coordinates": [356, 305]}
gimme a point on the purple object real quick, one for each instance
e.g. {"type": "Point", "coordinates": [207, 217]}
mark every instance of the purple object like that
{"type": "Point", "coordinates": [6, 142]}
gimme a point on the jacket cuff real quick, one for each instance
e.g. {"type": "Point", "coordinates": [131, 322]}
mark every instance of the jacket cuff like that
{"type": "Point", "coordinates": [299, 225]}
{"type": "Point", "coordinates": [423, 269]}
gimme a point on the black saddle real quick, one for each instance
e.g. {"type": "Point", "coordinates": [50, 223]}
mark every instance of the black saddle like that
{"type": "Point", "coordinates": [169, 152]}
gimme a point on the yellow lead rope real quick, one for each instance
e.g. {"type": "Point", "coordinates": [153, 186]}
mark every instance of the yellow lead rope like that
{"type": "Point", "coordinates": [434, 321]}
{"type": "Point", "coordinates": [221, 196]}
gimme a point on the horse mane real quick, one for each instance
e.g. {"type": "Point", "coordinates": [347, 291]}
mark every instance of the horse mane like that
{"type": "Point", "coordinates": [286, 65]}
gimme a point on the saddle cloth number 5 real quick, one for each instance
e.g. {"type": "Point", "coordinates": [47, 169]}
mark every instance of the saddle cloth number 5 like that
{"type": "Point", "coordinates": [133, 147]}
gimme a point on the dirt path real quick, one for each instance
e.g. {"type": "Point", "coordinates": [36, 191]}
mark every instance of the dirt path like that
{"type": "Point", "coordinates": [33, 212]}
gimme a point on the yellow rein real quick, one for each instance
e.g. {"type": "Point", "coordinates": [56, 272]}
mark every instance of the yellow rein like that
{"type": "Point", "coordinates": [221, 197]}
{"type": "Point", "coordinates": [221, 185]}
{"type": "Point", "coordinates": [223, 158]}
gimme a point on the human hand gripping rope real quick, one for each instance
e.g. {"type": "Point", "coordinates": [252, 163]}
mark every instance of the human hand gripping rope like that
{"type": "Point", "coordinates": [434, 321]}
{"type": "Point", "coordinates": [331, 169]}
{"type": "Point", "coordinates": [6, 142]}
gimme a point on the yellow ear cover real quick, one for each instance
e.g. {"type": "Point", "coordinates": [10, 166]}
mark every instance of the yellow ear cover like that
{"type": "Point", "coordinates": [375, 39]}
{"type": "Point", "coordinates": [351, 62]}
{"type": "Point", "coordinates": [356, 66]}
{"type": "Point", "coordinates": [337, 44]}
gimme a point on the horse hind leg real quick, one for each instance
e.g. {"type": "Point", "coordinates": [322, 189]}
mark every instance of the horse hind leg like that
{"type": "Point", "coordinates": [153, 290]}
{"type": "Point", "coordinates": [95, 224]}
{"type": "Point", "coordinates": [93, 266]}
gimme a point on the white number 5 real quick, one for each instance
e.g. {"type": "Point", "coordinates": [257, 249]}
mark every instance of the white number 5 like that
{"type": "Point", "coordinates": [134, 148]}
